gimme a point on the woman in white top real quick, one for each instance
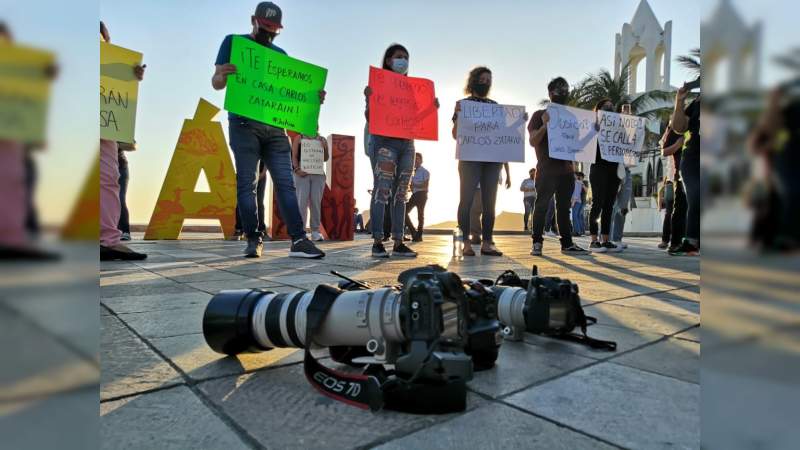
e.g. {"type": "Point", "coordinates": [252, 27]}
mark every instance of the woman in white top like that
{"type": "Point", "coordinates": [309, 178]}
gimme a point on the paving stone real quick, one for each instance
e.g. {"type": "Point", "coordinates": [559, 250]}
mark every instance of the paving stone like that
{"type": "Point", "coordinates": [520, 365]}
{"type": "Point", "coordinates": [213, 287]}
{"type": "Point", "coordinates": [691, 335]}
{"type": "Point", "coordinates": [626, 339]}
{"type": "Point", "coordinates": [157, 302]}
{"type": "Point", "coordinates": [496, 426]}
{"type": "Point", "coordinates": [139, 277]}
{"type": "Point", "coordinates": [128, 366]}
{"type": "Point", "coordinates": [198, 273]}
{"type": "Point", "coordinates": [281, 410]}
{"type": "Point", "coordinates": [302, 280]}
{"type": "Point", "coordinates": [45, 366]}
{"type": "Point", "coordinates": [162, 286]}
{"type": "Point", "coordinates": [648, 320]}
{"type": "Point", "coordinates": [626, 406]}
{"type": "Point", "coordinates": [198, 361]}
{"type": "Point", "coordinates": [169, 419]}
{"type": "Point", "coordinates": [176, 322]}
{"type": "Point", "coordinates": [659, 302]}
{"type": "Point", "coordinates": [64, 421]}
{"type": "Point", "coordinates": [599, 291]}
{"type": "Point", "coordinates": [673, 357]}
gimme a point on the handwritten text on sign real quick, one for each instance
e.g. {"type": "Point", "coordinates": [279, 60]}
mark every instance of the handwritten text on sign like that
{"type": "Point", "coordinates": [571, 133]}
{"type": "Point", "coordinates": [312, 157]}
{"type": "Point", "coordinates": [490, 132]}
{"type": "Point", "coordinates": [621, 137]}
{"type": "Point", "coordinates": [118, 92]}
{"type": "Point", "coordinates": [401, 106]}
{"type": "Point", "coordinates": [273, 88]}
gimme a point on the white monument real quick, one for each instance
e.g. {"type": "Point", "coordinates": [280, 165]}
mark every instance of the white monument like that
{"type": "Point", "coordinates": [728, 40]}
{"type": "Point", "coordinates": [643, 38]}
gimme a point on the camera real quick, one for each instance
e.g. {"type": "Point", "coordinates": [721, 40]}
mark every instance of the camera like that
{"type": "Point", "coordinates": [433, 329]}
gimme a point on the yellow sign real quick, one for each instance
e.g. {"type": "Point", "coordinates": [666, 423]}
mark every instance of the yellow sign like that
{"type": "Point", "coordinates": [201, 148]}
{"type": "Point", "coordinates": [24, 92]}
{"type": "Point", "coordinates": [119, 89]}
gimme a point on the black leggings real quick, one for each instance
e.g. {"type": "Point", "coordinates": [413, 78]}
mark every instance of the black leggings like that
{"type": "Point", "coordinates": [605, 184]}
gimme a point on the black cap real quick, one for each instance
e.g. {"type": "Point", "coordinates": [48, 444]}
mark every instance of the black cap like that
{"type": "Point", "coordinates": [268, 14]}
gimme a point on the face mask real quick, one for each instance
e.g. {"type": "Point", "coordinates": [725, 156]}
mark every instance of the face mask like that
{"type": "Point", "coordinates": [400, 65]}
{"type": "Point", "coordinates": [481, 89]}
{"type": "Point", "coordinates": [608, 108]}
{"type": "Point", "coordinates": [559, 95]}
{"type": "Point", "coordinates": [265, 37]}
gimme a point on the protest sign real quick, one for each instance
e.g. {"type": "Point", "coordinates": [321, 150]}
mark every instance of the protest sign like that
{"type": "Point", "coordinates": [571, 133]}
{"type": "Point", "coordinates": [490, 132]}
{"type": "Point", "coordinates": [312, 157]}
{"type": "Point", "coordinates": [24, 93]}
{"type": "Point", "coordinates": [201, 148]}
{"type": "Point", "coordinates": [273, 88]}
{"type": "Point", "coordinates": [119, 89]}
{"type": "Point", "coordinates": [621, 137]}
{"type": "Point", "coordinates": [401, 106]}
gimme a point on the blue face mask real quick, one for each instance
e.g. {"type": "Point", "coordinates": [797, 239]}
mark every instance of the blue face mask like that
{"type": "Point", "coordinates": [400, 65]}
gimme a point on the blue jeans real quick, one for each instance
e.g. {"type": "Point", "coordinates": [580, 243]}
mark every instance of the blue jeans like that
{"type": "Point", "coordinates": [621, 207]}
{"type": "Point", "coordinates": [528, 202]}
{"type": "Point", "coordinates": [577, 218]}
{"type": "Point", "coordinates": [253, 141]}
{"type": "Point", "coordinates": [392, 167]}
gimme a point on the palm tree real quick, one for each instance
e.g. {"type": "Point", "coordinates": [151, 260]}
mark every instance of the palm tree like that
{"type": "Point", "coordinates": [603, 85]}
{"type": "Point", "coordinates": [692, 61]}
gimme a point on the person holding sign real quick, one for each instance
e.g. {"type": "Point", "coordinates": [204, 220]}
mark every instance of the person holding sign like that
{"type": "Point", "coordinates": [309, 155]}
{"type": "Point", "coordinates": [419, 197]}
{"type": "Point", "coordinates": [392, 160]}
{"type": "Point", "coordinates": [252, 141]}
{"type": "Point", "coordinates": [553, 176]}
{"type": "Point", "coordinates": [475, 173]}
{"type": "Point", "coordinates": [605, 184]}
{"type": "Point", "coordinates": [110, 206]}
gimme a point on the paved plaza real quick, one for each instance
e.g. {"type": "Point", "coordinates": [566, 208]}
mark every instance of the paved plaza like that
{"type": "Point", "coordinates": [162, 387]}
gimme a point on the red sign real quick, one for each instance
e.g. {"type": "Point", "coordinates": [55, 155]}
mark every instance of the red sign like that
{"type": "Point", "coordinates": [401, 106]}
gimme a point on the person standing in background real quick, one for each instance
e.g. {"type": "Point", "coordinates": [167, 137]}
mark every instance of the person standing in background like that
{"type": "Point", "coordinates": [110, 209]}
{"type": "Point", "coordinates": [666, 201]}
{"type": "Point", "coordinates": [622, 205]}
{"type": "Point", "coordinates": [528, 188]}
{"type": "Point", "coordinates": [687, 118]}
{"type": "Point", "coordinates": [672, 145]}
{"type": "Point", "coordinates": [419, 197]}
{"type": "Point", "coordinates": [310, 187]}
{"type": "Point", "coordinates": [578, 196]}
{"type": "Point", "coordinates": [124, 225]}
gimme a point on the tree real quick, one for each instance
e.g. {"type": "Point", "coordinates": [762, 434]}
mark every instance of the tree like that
{"type": "Point", "coordinates": [603, 85]}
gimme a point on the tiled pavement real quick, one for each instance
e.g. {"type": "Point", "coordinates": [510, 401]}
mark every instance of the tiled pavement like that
{"type": "Point", "coordinates": [161, 387]}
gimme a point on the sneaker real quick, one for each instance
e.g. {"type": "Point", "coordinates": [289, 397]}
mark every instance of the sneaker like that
{"type": "Point", "coordinates": [303, 248]}
{"type": "Point", "coordinates": [379, 251]}
{"type": "Point", "coordinates": [125, 237]}
{"type": "Point", "coordinates": [403, 250]}
{"type": "Point", "coordinates": [597, 247]}
{"type": "Point", "coordinates": [316, 236]}
{"type": "Point", "coordinates": [611, 247]}
{"type": "Point", "coordinates": [620, 244]}
{"type": "Point", "coordinates": [551, 234]}
{"type": "Point", "coordinates": [573, 249]}
{"type": "Point", "coordinates": [236, 236]}
{"type": "Point", "coordinates": [663, 245]}
{"type": "Point", "coordinates": [536, 250]}
{"type": "Point", "coordinates": [685, 249]}
{"type": "Point", "coordinates": [254, 248]}
{"type": "Point", "coordinates": [120, 252]}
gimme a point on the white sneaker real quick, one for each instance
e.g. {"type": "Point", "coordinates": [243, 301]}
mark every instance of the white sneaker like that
{"type": "Point", "coordinates": [317, 236]}
{"type": "Point", "coordinates": [550, 234]}
{"type": "Point", "coordinates": [621, 245]}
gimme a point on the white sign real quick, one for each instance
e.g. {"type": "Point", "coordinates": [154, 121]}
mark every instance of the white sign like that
{"type": "Point", "coordinates": [621, 137]}
{"type": "Point", "coordinates": [490, 132]}
{"type": "Point", "coordinates": [312, 156]}
{"type": "Point", "coordinates": [571, 133]}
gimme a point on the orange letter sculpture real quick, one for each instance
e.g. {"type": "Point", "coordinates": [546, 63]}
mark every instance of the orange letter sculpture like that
{"type": "Point", "coordinates": [201, 146]}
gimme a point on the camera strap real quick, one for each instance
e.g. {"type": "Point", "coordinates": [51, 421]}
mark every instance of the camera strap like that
{"type": "Point", "coordinates": [361, 391]}
{"type": "Point", "coordinates": [367, 391]}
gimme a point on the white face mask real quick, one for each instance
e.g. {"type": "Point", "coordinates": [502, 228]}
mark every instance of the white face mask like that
{"type": "Point", "coordinates": [400, 65]}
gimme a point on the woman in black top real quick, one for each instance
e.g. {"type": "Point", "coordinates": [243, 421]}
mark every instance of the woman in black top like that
{"type": "Point", "coordinates": [605, 184]}
{"type": "Point", "coordinates": [471, 173]}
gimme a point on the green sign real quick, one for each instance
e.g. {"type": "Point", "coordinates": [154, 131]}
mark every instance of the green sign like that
{"type": "Point", "coordinates": [273, 88]}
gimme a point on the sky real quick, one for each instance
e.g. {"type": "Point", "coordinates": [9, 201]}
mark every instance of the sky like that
{"type": "Point", "coordinates": [525, 43]}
